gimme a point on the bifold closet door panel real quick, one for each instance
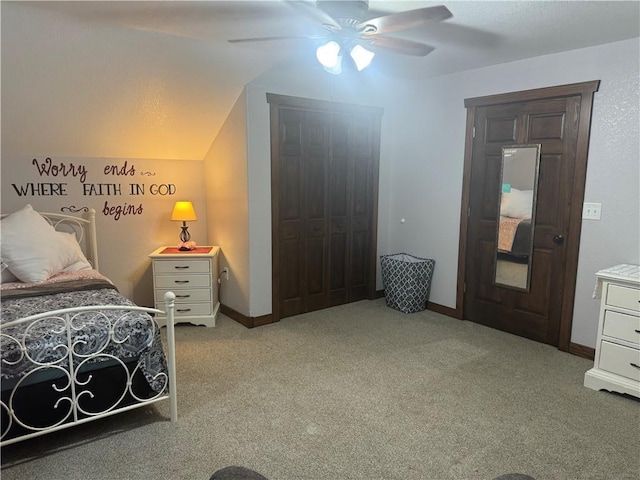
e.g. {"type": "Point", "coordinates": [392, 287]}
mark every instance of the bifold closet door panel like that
{"type": "Point", "coordinates": [322, 174]}
{"type": "Point", "coordinates": [290, 214]}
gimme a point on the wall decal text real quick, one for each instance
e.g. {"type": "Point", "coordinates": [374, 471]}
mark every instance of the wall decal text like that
{"type": "Point", "coordinates": [75, 185]}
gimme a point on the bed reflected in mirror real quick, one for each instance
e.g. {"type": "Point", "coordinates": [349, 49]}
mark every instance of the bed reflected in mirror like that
{"type": "Point", "coordinates": [518, 194]}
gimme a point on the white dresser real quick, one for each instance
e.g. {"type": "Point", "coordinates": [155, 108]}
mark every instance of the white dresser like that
{"type": "Point", "coordinates": [192, 275]}
{"type": "Point", "coordinates": [617, 360]}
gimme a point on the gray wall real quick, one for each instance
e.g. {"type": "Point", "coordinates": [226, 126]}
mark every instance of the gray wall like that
{"type": "Point", "coordinates": [103, 94]}
{"type": "Point", "coordinates": [422, 156]}
{"type": "Point", "coordinates": [226, 194]}
{"type": "Point", "coordinates": [426, 185]}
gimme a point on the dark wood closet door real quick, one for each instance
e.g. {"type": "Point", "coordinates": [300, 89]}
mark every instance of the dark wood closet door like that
{"type": "Point", "coordinates": [324, 205]}
{"type": "Point", "coordinates": [302, 173]}
{"type": "Point", "coordinates": [553, 123]}
{"type": "Point", "coordinates": [351, 207]}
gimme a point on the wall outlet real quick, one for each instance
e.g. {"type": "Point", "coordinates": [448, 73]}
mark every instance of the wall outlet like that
{"type": "Point", "coordinates": [225, 271]}
{"type": "Point", "coordinates": [591, 211]}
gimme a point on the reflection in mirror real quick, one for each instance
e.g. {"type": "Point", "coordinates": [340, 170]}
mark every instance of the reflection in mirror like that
{"type": "Point", "coordinates": [519, 185]}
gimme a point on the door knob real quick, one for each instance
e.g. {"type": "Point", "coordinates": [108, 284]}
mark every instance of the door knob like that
{"type": "Point", "coordinates": [558, 239]}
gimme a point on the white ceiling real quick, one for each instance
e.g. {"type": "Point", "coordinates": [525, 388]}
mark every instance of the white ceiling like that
{"type": "Point", "coordinates": [481, 33]}
{"type": "Point", "coordinates": [157, 79]}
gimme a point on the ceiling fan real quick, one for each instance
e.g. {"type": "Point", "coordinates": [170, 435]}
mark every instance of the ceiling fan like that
{"type": "Point", "coordinates": [349, 29]}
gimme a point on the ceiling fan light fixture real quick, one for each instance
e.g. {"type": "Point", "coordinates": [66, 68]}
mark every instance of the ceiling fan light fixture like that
{"type": "Point", "coordinates": [329, 54]}
{"type": "Point", "coordinates": [337, 68]}
{"type": "Point", "coordinates": [350, 24]}
{"type": "Point", "coordinates": [361, 57]}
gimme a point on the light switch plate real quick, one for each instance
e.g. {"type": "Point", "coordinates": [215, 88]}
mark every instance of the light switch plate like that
{"type": "Point", "coordinates": [591, 211]}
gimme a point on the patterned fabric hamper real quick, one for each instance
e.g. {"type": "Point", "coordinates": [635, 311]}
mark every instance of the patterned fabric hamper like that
{"type": "Point", "coordinates": [407, 281]}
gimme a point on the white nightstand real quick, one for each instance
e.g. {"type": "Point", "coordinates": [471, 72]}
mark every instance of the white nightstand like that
{"type": "Point", "coordinates": [616, 365]}
{"type": "Point", "coordinates": [192, 276]}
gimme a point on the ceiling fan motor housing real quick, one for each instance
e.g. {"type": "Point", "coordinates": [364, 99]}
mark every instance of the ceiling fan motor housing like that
{"type": "Point", "coordinates": [348, 13]}
{"type": "Point", "coordinates": [351, 24]}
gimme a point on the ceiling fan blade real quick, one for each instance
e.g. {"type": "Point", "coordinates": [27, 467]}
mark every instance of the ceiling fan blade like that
{"type": "Point", "coordinates": [399, 45]}
{"type": "Point", "coordinates": [270, 39]}
{"type": "Point", "coordinates": [311, 11]}
{"type": "Point", "coordinates": [395, 22]}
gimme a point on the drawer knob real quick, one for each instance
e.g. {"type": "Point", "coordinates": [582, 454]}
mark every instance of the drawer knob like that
{"type": "Point", "coordinates": [183, 309]}
{"type": "Point", "coordinates": [183, 296]}
{"type": "Point", "coordinates": [181, 267]}
{"type": "Point", "coordinates": [635, 365]}
{"type": "Point", "coordinates": [181, 281]}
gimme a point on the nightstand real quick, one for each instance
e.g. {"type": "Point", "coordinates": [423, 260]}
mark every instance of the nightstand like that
{"type": "Point", "coordinates": [192, 276]}
{"type": "Point", "coordinates": [616, 365]}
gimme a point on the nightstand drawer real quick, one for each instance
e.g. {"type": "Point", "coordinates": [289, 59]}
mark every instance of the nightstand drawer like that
{"type": "Point", "coordinates": [173, 282]}
{"type": "Point", "coordinates": [192, 309]}
{"type": "Point", "coordinates": [620, 360]}
{"type": "Point", "coordinates": [622, 326]}
{"type": "Point", "coordinates": [623, 297]}
{"type": "Point", "coordinates": [188, 265]}
{"type": "Point", "coordinates": [185, 296]}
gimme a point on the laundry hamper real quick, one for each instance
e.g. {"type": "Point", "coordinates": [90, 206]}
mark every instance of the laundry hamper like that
{"type": "Point", "coordinates": [407, 281]}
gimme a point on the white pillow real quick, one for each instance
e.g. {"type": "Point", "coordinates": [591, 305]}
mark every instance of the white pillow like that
{"type": "Point", "coordinates": [31, 247]}
{"type": "Point", "coordinates": [80, 261]}
{"type": "Point", "coordinates": [6, 275]}
{"type": "Point", "coordinates": [517, 204]}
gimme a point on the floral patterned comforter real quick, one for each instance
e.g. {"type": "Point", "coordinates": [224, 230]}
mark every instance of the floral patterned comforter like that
{"type": "Point", "coordinates": [132, 338]}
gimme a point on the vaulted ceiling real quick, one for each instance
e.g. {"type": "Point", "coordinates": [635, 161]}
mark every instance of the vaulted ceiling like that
{"type": "Point", "coordinates": [156, 79]}
{"type": "Point", "coordinates": [480, 33]}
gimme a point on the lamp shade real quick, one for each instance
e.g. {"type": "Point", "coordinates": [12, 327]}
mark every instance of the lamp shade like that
{"type": "Point", "coordinates": [361, 57]}
{"type": "Point", "coordinates": [328, 54]}
{"type": "Point", "coordinates": [183, 212]}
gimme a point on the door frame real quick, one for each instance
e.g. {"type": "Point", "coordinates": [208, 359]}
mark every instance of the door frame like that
{"type": "Point", "coordinates": [276, 101]}
{"type": "Point", "coordinates": [585, 90]}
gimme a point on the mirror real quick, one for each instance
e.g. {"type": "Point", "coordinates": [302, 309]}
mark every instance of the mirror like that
{"type": "Point", "coordinates": [518, 195]}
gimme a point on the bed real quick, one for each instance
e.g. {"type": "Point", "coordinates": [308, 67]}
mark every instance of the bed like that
{"type": "Point", "coordinates": [514, 226]}
{"type": "Point", "coordinates": [72, 348]}
{"type": "Point", "coordinates": [514, 237]}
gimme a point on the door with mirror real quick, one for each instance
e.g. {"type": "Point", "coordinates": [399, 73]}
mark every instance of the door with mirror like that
{"type": "Point", "coordinates": [524, 161]}
{"type": "Point", "coordinates": [517, 216]}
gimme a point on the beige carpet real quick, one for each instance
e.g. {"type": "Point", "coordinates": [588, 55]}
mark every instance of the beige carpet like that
{"type": "Point", "coordinates": [511, 273]}
{"type": "Point", "coordinates": [359, 391]}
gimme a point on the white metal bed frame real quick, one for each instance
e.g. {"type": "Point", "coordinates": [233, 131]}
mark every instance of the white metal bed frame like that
{"type": "Point", "coordinates": [70, 360]}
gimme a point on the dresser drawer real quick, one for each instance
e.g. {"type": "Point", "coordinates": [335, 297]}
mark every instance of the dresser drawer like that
{"type": "Point", "coordinates": [623, 297]}
{"type": "Point", "coordinates": [193, 309]}
{"type": "Point", "coordinates": [622, 326]}
{"type": "Point", "coordinates": [182, 266]}
{"type": "Point", "coordinates": [618, 359]}
{"type": "Point", "coordinates": [186, 295]}
{"type": "Point", "coordinates": [173, 282]}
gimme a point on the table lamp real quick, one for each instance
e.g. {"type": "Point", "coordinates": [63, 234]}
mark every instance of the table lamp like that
{"type": "Point", "coordinates": [184, 212]}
